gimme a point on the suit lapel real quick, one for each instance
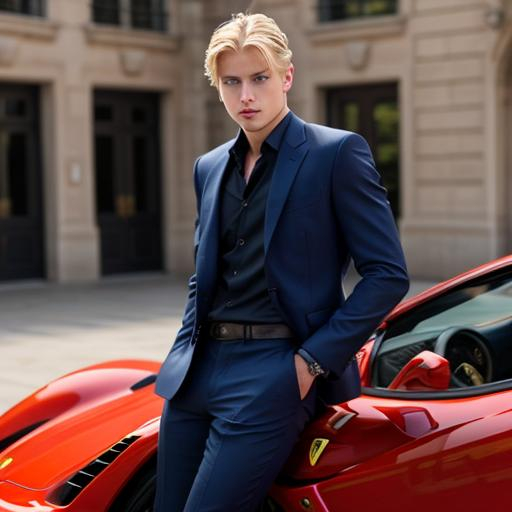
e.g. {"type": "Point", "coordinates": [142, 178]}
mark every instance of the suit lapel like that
{"type": "Point", "coordinates": [207, 256]}
{"type": "Point", "coordinates": [293, 149]}
{"type": "Point", "coordinates": [291, 154]}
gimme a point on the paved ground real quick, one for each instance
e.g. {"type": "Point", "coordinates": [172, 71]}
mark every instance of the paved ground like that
{"type": "Point", "coordinates": [47, 330]}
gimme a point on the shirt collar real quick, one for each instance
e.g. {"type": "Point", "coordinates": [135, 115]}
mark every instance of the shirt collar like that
{"type": "Point", "coordinates": [275, 137]}
{"type": "Point", "coordinates": [273, 140]}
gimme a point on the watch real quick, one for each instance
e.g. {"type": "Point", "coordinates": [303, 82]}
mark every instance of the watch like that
{"type": "Point", "coordinates": [314, 367]}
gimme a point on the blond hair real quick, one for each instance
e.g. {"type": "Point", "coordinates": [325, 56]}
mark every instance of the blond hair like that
{"type": "Point", "coordinates": [243, 30]}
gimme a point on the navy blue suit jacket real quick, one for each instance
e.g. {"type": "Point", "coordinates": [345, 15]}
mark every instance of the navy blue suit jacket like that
{"type": "Point", "coordinates": [325, 205]}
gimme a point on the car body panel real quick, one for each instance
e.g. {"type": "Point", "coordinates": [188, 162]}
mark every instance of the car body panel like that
{"type": "Point", "coordinates": [454, 451]}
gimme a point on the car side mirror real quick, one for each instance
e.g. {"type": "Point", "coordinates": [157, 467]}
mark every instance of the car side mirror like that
{"type": "Point", "coordinates": [426, 371]}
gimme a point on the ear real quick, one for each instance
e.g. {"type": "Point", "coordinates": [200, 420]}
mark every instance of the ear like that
{"type": "Point", "coordinates": [288, 78]}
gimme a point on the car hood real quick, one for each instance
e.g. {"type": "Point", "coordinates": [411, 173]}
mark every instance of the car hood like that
{"type": "Point", "coordinates": [92, 424]}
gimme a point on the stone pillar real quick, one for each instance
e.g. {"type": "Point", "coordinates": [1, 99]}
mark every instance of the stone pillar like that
{"type": "Point", "coordinates": [447, 225]}
{"type": "Point", "coordinates": [72, 241]}
{"type": "Point", "coordinates": [191, 122]}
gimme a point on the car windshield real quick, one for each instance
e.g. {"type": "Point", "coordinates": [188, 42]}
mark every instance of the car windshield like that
{"type": "Point", "coordinates": [469, 327]}
{"type": "Point", "coordinates": [483, 306]}
{"type": "Point", "coordinates": [481, 301]}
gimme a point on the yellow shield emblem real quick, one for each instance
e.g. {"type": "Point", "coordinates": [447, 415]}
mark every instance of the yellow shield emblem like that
{"type": "Point", "coordinates": [317, 447]}
{"type": "Point", "coordinates": [5, 462]}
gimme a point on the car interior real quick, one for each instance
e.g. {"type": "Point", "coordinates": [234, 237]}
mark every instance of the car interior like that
{"type": "Point", "coordinates": [466, 332]}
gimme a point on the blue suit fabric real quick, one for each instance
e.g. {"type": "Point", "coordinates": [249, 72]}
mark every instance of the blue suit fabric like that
{"type": "Point", "coordinates": [326, 205]}
{"type": "Point", "coordinates": [230, 428]}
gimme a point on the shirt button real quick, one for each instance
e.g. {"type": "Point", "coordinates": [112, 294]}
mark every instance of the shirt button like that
{"type": "Point", "coordinates": [229, 304]}
{"type": "Point", "coordinates": [245, 204]}
{"type": "Point", "coordinates": [241, 241]}
{"type": "Point", "coordinates": [235, 272]}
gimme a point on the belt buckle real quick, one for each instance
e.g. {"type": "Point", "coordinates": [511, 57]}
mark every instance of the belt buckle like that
{"type": "Point", "coordinates": [222, 330]}
{"type": "Point", "coordinates": [247, 332]}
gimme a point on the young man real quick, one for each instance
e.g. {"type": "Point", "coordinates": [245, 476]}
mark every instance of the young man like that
{"type": "Point", "coordinates": [267, 332]}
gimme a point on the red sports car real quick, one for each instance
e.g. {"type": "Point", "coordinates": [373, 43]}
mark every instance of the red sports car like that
{"type": "Point", "coordinates": [431, 431]}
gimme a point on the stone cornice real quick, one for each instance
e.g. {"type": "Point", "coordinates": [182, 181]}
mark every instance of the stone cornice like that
{"type": "Point", "coordinates": [120, 36]}
{"type": "Point", "coordinates": [364, 28]}
{"type": "Point", "coordinates": [28, 26]}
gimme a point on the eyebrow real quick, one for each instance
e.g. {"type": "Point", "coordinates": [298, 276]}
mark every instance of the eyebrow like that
{"type": "Point", "coordinates": [254, 74]}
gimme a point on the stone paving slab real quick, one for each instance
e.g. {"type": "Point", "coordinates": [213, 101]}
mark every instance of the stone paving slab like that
{"type": "Point", "coordinates": [47, 330]}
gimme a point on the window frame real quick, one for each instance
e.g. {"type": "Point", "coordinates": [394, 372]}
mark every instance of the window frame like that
{"type": "Point", "coordinates": [325, 11]}
{"type": "Point", "coordinates": [36, 8]}
{"type": "Point", "coordinates": [158, 11]}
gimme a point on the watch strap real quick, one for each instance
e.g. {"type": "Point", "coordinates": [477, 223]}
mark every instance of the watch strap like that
{"type": "Point", "coordinates": [314, 367]}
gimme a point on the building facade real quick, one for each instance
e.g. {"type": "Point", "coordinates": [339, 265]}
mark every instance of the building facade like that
{"type": "Point", "coordinates": [104, 108]}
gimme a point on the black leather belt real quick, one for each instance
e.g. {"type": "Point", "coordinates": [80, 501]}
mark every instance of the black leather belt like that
{"type": "Point", "coordinates": [233, 331]}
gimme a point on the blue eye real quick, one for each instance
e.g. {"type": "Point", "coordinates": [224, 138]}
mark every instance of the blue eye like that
{"type": "Point", "coordinates": [230, 81]}
{"type": "Point", "coordinates": [261, 78]}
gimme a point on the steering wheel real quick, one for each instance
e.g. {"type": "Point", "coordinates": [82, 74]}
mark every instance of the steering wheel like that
{"type": "Point", "coordinates": [469, 357]}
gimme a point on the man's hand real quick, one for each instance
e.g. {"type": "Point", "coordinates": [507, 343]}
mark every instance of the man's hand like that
{"type": "Point", "coordinates": [304, 378]}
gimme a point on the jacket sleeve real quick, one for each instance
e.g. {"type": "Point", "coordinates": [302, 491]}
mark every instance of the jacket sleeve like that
{"type": "Point", "coordinates": [367, 226]}
{"type": "Point", "coordinates": [187, 324]}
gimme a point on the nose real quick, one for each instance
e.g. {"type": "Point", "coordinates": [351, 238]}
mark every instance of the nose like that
{"type": "Point", "coordinates": [246, 93]}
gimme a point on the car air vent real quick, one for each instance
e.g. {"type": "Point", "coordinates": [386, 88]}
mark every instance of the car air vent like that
{"type": "Point", "coordinates": [69, 490]}
{"type": "Point", "coordinates": [7, 441]}
{"type": "Point", "coordinates": [146, 381]}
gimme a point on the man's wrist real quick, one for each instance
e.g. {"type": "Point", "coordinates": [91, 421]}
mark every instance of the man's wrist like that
{"type": "Point", "coordinates": [314, 367]}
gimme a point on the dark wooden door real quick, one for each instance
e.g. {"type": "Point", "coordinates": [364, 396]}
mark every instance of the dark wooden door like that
{"type": "Point", "coordinates": [126, 135]}
{"type": "Point", "coordinates": [21, 219]}
{"type": "Point", "coordinates": [372, 110]}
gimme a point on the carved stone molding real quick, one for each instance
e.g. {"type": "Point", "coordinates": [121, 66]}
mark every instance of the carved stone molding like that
{"type": "Point", "coordinates": [28, 26]}
{"type": "Point", "coordinates": [346, 30]}
{"type": "Point", "coordinates": [120, 36]}
{"type": "Point", "coordinates": [358, 53]}
{"type": "Point", "coordinates": [133, 61]}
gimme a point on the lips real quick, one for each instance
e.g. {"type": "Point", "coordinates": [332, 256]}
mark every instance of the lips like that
{"type": "Point", "coordinates": [248, 113]}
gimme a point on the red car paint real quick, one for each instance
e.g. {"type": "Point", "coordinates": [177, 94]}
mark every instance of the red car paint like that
{"type": "Point", "coordinates": [389, 452]}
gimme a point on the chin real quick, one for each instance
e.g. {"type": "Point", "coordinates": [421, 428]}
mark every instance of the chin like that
{"type": "Point", "coordinates": [256, 125]}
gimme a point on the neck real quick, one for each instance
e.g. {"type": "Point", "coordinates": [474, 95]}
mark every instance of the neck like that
{"type": "Point", "coordinates": [256, 138]}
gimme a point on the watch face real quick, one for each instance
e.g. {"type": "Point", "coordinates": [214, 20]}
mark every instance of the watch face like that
{"type": "Point", "coordinates": [315, 369]}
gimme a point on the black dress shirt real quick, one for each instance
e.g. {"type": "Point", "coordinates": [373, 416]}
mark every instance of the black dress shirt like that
{"type": "Point", "coordinates": [242, 289]}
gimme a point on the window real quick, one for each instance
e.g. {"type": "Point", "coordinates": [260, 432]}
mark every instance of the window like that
{"type": "Point", "coordinates": [140, 14]}
{"type": "Point", "coordinates": [372, 110]}
{"type": "Point", "coordinates": [30, 7]}
{"type": "Point", "coordinates": [469, 326]}
{"type": "Point", "coordinates": [106, 11]}
{"type": "Point", "coordinates": [332, 10]}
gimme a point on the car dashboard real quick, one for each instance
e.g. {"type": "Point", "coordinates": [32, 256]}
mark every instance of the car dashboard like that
{"type": "Point", "coordinates": [487, 340]}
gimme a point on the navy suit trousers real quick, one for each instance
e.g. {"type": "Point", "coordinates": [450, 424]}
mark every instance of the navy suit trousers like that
{"type": "Point", "coordinates": [227, 432]}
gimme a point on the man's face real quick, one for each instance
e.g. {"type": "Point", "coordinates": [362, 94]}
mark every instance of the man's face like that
{"type": "Point", "coordinates": [254, 94]}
